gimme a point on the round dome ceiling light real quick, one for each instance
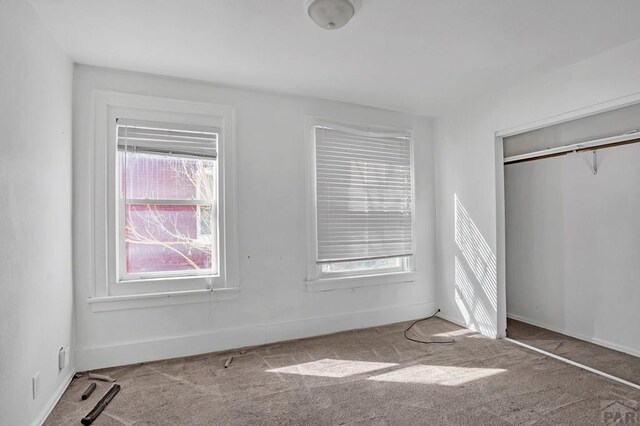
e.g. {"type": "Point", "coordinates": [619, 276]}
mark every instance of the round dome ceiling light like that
{"type": "Point", "coordinates": [331, 14]}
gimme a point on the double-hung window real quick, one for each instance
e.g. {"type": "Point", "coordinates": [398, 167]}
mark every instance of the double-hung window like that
{"type": "Point", "coordinates": [164, 211]}
{"type": "Point", "coordinates": [363, 203]}
{"type": "Point", "coordinates": [167, 200]}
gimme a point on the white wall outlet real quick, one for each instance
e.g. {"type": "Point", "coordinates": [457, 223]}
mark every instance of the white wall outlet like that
{"type": "Point", "coordinates": [35, 384]}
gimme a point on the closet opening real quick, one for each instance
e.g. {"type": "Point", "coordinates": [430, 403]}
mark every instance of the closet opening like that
{"type": "Point", "coordinates": [572, 240]}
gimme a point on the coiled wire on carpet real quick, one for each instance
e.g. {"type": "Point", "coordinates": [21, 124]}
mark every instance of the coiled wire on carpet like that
{"type": "Point", "coordinates": [426, 342]}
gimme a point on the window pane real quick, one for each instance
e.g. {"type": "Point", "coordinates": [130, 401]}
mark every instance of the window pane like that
{"type": "Point", "coordinates": [164, 238]}
{"type": "Point", "coordinates": [156, 177]}
{"type": "Point", "coordinates": [361, 265]}
{"type": "Point", "coordinates": [204, 221]}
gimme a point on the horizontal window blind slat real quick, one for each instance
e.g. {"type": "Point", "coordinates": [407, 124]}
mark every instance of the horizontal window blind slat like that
{"type": "Point", "coordinates": [354, 259]}
{"type": "Point", "coordinates": [386, 212]}
{"type": "Point", "coordinates": [359, 177]}
{"type": "Point", "coordinates": [339, 134]}
{"type": "Point", "coordinates": [359, 210]}
{"type": "Point", "coordinates": [329, 182]}
{"type": "Point", "coordinates": [346, 162]}
{"type": "Point", "coordinates": [164, 133]}
{"type": "Point", "coordinates": [371, 160]}
{"type": "Point", "coordinates": [403, 176]}
{"type": "Point", "coordinates": [363, 140]}
{"type": "Point", "coordinates": [374, 249]}
{"type": "Point", "coordinates": [366, 200]}
{"type": "Point", "coordinates": [171, 139]}
{"type": "Point", "coordinates": [375, 157]}
{"type": "Point", "coordinates": [373, 198]}
{"type": "Point", "coordinates": [380, 224]}
{"type": "Point", "coordinates": [342, 241]}
{"type": "Point", "coordinates": [366, 247]}
{"type": "Point", "coordinates": [163, 151]}
{"type": "Point", "coordinates": [362, 239]}
{"type": "Point", "coordinates": [363, 252]}
{"type": "Point", "coordinates": [380, 234]}
{"type": "Point", "coordinates": [364, 227]}
{"type": "Point", "coordinates": [364, 196]}
{"type": "Point", "coordinates": [372, 228]}
{"type": "Point", "coordinates": [371, 215]}
{"type": "Point", "coordinates": [339, 229]}
{"type": "Point", "coordinates": [348, 146]}
{"type": "Point", "coordinates": [362, 188]}
{"type": "Point", "coordinates": [140, 140]}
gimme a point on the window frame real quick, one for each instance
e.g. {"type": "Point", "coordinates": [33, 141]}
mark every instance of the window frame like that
{"type": "Point", "coordinates": [316, 279]}
{"type": "Point", "coordinates": [107, 285]}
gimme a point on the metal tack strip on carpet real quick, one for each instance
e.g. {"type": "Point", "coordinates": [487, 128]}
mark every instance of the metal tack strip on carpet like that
{"type": "Point", "coordinates": [575, 364]}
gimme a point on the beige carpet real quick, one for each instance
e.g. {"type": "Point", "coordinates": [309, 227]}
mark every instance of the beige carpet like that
{"type": "Point", "coordinates": [619, 364]}
{"type": "Point", "coordinates": [363, 377]}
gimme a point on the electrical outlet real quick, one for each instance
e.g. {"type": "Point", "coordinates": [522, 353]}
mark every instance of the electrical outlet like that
{"type": "Point", "coordinates": [35, 384]}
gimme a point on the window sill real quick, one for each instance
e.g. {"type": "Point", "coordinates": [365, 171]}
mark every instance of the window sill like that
{"type": "Point", "coordinates": [326, 284]}
{"type": "Point", "coordinates": [138, 301]}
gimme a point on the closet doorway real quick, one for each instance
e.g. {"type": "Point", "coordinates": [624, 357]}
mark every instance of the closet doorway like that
{"type": "Point", "coordinates": [572, 240]}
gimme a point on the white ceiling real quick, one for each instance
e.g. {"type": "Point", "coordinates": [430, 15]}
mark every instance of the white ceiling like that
{"type": "Point", "coordinates": [410, 55]}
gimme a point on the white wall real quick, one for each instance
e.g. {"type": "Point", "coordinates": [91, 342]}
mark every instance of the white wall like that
{"type": "Point", "coordinates": [465, 159]}
{"type": "Point", "coordinates": [35, 214]}
{"type": "Point", "coordinates": [274, 303]}
{"type": "Point", "coordinates": [573, 243]}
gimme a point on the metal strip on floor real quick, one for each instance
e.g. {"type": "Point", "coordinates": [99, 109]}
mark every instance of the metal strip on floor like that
{"type": "Point", "coordinates": [575, 364]}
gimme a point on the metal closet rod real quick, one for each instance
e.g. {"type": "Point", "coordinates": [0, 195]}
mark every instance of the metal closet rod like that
{"type": "Point", "coordinates": [626, 139]}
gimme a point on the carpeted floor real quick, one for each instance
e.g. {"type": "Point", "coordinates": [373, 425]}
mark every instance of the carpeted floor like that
{"type": "Point", "coordinates": [364, 377]}
{"type": "Point", "coordinates": [616, 363]}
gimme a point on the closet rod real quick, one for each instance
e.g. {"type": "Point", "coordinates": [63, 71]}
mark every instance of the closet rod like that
{"type": "Point", "coordinates": [626, 139]}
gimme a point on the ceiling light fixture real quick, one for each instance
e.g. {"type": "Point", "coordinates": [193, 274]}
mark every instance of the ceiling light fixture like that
{"type": "Point", "coordinates": [331, 14]}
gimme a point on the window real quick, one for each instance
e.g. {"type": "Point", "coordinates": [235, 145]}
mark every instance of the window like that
{"type": "Point", "coordinates": [164, 209]}
{"type": "Point", "coordinates": [362, 202]}
{"type": "Point", "coordinates": [167, 200]}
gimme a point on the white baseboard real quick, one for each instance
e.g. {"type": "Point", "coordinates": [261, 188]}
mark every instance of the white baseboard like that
{"type": "Point", "coordinates": [237, 337]}
{"type": "Point", "coordinates": [53, 400]}
{"type": "Point", "coordinates": [455, 320]}
{"type": "Point", "coordinates": [575, 364]}
{"type": "Point", "coordinates": [461, 322]}
{"type": "Point", "coordinates": [579, 336]}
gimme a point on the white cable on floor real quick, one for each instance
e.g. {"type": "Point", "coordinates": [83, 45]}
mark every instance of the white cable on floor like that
{"type": "Point", "coordinates": [575, 364]}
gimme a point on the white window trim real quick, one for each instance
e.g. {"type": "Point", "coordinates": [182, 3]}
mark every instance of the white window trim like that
{"type": "Point", "coordinates": [160, 291]}
{"type": "Point", "coordinates": [315, 280]}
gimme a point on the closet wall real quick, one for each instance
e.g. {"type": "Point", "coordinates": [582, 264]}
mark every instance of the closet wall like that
{"type": "Point", "coordinates": [573, 237]}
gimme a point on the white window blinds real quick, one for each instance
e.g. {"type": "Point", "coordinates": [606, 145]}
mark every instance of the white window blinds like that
{"type": "Point", "coordinates": [364, 195]}
{"type": "Point", "coordinates": [174, 139]}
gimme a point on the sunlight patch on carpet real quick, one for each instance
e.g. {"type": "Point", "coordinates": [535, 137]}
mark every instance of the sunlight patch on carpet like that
{"type": "Point", "coordinates": [437, 375]}
{"type": "Point", "coordinates": [333, 368]}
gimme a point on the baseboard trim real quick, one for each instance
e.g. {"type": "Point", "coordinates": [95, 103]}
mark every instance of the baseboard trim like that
{"type": "Point", "coordinates": [53, 400]}
{"type": "Point", "coordinates": [575, 364]}
{"type": "Point", "coordinates": [249, 335]}
{"type": "Point", "coordinates": [461, 323]}
{"type": "Point", "coordinates": [456, 321]}
{"type": "Point", "coordinates": [590, 339]}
